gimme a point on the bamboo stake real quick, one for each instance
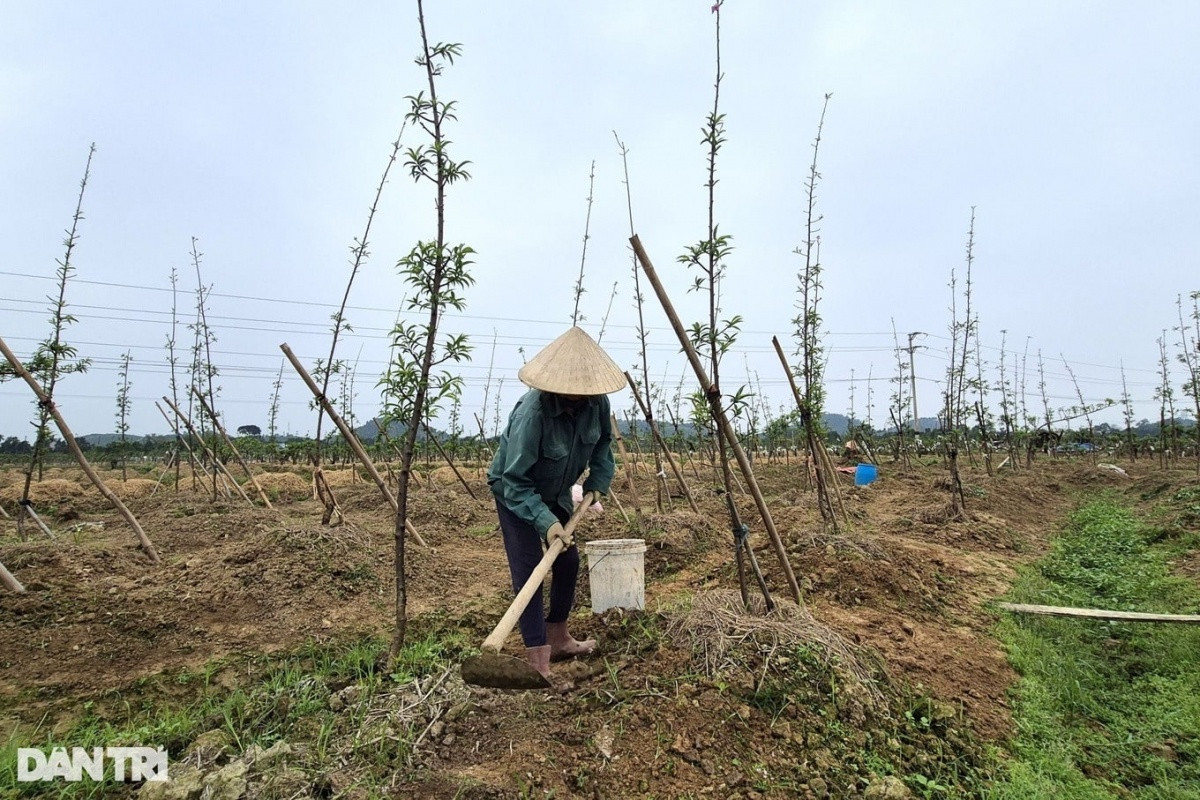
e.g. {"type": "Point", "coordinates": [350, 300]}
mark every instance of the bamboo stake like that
{"type": "Point", "coordinates": [166, 469]}
{"type": "Point", "coordinates": [221, 430]}
{"type": "Point", "coordinates": [483, 438]}
{"type": "Point", "coordinates": [663, 446]}
{"type": "Point", "coordinates": [324, 493]}
{"type": "Point", "coordinates": [736, 480]}
{"type": "Point", "coordinates": [826, 475]}
{"type": "Point", "coordinates": [637, 460]}
{"type": "Point", "coordinates": [637, 501]}
{"type": "Point", "coordinates": [414, 477]}
{"type": "Point", "coordinates": [195, 462]}
{"type": "Point", "coordinates": [686, 447]}
{"type": "Point", "coordinates": [837, 487]}
{"type": "Point", "coordinates": [27, 507]}
{"type": "Point", "coordinates": [450, 461]}
{"type": "Point", "coordinates": [351, 440]}
{"type": "Point", "coordinates": [1094, 613]}
{"type": "Point", "coordinates": [46, 402]}
{"type": "Point", "coordinates": [714, 401]}
{"type": "Point", "coordinates": [613, 496]}
{"type": "Point", "coordinates": [10, 581]}
{"type": "Point", "coordinates": [219, 469]}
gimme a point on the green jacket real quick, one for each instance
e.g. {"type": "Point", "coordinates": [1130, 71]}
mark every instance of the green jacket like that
{"type": "Point", "coordinates": [544, 450]}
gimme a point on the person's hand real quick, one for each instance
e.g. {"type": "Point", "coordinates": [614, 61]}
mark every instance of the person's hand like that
{"type": "Point", "coordinates": [577, 498]}
{"type": "Point", "coordinates": [556, 531]}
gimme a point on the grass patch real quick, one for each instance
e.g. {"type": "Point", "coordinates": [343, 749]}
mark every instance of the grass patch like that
{"type": "Point", "coordinates": [315, 695]}
{"type": "Point", "coordinates": [1104, 709]}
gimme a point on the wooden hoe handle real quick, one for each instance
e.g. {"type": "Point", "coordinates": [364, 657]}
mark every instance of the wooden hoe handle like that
{"type": "Point", "coordinates": [495, 639]}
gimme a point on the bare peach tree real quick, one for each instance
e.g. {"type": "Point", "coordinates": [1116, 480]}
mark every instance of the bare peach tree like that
{"type": "Point", "coordinates": [204, 370]}
{"type": "Point", "coordinates": [436, 273]}
{"type": "Point", "coordinates": [963, 331]}
{"type": "Point", "coordinates": [173, 364]}
{"type": "Point", "coordinates": [808, 337]}
{"type": "Point", "coordinates": [898, 402]}
{"type": "Point", "coordinates": [124, 405]}
{"type": "Point", "coordinates": [324, 369]}
{"type": "Point", "coordinates": [54, 357]}
{"type": "Point", "coordinates": [1189, 356]}
{"type": "Point", "coordinates": [1007, 402]}
{"type": "Point", "coordinates": [1127, 416]}
{"type": "Point", "coordinates": [1165, 395]}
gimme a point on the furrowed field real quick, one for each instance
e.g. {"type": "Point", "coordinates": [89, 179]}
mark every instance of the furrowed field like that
{"type": "Point", "coordinates": [253, 651]}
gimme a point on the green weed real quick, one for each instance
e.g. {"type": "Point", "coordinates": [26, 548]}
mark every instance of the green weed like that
{"type": "Point", "coordinates": [1104, 709]}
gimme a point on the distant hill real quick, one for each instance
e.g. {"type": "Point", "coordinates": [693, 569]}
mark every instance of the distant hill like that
{"type": "Point", "coordinates": [395, 430]}
{"type": "Point", "coordinates": [835, 423]}
{"type": "Point", "coordinates": [105, 439]}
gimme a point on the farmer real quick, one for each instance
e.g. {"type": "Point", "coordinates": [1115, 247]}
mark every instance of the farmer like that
{"type": "Point", "coordinates": [558, 428]}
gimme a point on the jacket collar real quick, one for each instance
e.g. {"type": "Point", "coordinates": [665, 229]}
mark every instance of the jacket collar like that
{"type": "Point", "coordinates": [557, 406]}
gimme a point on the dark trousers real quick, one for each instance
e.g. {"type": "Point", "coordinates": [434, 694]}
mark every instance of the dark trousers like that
{"type": "Point", "coordinates": [524, 548]}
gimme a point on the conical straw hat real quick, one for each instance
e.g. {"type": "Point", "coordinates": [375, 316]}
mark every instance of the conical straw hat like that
{"type": "Point", "coordinates": [573, 364]}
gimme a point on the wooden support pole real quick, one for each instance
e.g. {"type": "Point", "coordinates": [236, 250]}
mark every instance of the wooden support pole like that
{"type": "Point", "coordinates": [450, 461]}
{"type": "Point", "coordinates": [46, 402]}
{"type": "Point", "coordinates": [637, 461]}
{"type": "Point", "coordinates": [212, 415]}
{"type": "Point", "coordinates": [167, 468]}
{"type": "Point", "coordinates": [10, 582]}
{"type": "Point", "coordinates": [826, 475]}
{"type": "Point", "coordinates": [487, 448]}
{"type": "Point", "coordinates": [218, 467]}
{"type": "Point", "coordinates": [195, 462]}
{"type": "Point", "coordinates": [1095, 613]}
{"type": "Point", "coordinates": [662, 445]}
{"type": "Point", "coordinates": [620, 440]}
{"type": "Point", "coordinates": [324, 493]}
{"type": "Point", "coordinates": [617, 501]}
{"type": "Point", "coordinates": [351, 439]}
{"type": "Point", "coordinates": [27, 507]}
{"type": "Point", "coordinates": [722, 420]}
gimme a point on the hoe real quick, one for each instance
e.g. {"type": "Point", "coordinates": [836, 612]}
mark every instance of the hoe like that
{"type": "Point", "coordinates": [497, 670]}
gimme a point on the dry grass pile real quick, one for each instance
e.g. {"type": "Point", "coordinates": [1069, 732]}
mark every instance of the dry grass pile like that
{"type": "Point", "coordinates": [284, 485]}
{"type": "Point", "coordinates": [444, 476]}
{"type": "Point", "coordinates": [341, 541]}
{"type": "Point", "coordinates": [48, 492]}
{"type": "Point", "coordinates": [725, 638]}
{"type": "Point", "coordinates": [341, 477]}
{"type": "Point", "coordinates": [682, 531]}
{"type": "Point", "coordinates": [132, 489]}
{"type": "Point", "coordinates": [59, 473]}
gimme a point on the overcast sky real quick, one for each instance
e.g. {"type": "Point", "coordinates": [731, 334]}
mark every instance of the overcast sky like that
{"type": "Point", "coordinates": [262, 129]}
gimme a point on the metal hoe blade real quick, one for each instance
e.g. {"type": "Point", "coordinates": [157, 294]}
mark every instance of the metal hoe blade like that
{"type": "Point", "coordinates": [502, 672]}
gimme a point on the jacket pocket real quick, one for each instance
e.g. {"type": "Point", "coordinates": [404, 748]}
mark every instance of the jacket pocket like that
{"type": "Point", "coordinates": [590, 432]}
{"type": "Point", "coordinates": [555, 450]}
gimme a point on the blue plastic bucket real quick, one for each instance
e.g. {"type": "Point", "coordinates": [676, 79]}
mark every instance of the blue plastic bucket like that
{"type": "Point", "coordinates": [864, 474]}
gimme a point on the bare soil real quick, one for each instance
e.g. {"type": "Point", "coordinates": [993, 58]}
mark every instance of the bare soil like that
{"type": "Point", "coordinates": [908, 589]}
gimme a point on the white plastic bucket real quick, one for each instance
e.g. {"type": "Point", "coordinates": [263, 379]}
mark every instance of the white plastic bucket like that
{"type": "Point", "coordinates": [617, 573]}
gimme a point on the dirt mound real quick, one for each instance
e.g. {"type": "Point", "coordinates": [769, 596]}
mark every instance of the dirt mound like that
{"type": "Point", "coordinates": [445, 476]}
{"type": "Point", "coordinates": [134, 488]}
{"type": "Point", "coordinates": [342, 477]}
{"type": "Point", "coordinates": [284, 486]}
{"type": "Point", "coordinates": [49, 492]}
{"type": "Point", "coordinates": [237, 579]}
